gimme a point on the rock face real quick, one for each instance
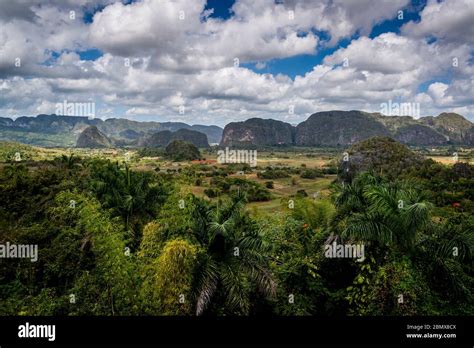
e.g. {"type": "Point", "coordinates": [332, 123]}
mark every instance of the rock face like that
{"type": "Point", "coordinates": [196, 138]}
{"type": "Point", "coordinates": [130, 134]}
{"type": "Point", "coordinates": [259, 132]}
{"type": "Point", "coordinates": [161, 139]}
{"type": "Point", "coordinates": [453, 126]}
{"type": "Point", "coordinates": [91, 137]}
{"type": "Point", "coordinates": [418, 134]}
{"type": "Point", "coordinates": [342, 128]}
{"type": "Point", "coordinates": [214, 133]}
{"type": "Point", "coordinates": [336, 128]}
{"type": "Point", "coordinates": [329, 128]}
{"type": "Point", "coordinates": [158, 139]}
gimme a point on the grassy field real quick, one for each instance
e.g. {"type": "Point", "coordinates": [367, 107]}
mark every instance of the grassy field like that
{"type": "Point", "coordinates": [308, 157]}
{"type": "Point", "coordinates": [283, 189]}
{"type": "Point", "coordinates": [450, 160]}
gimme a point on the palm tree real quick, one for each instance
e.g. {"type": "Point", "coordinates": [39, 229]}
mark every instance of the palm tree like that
{"type": "Point", "coordinates": [396, 215]}
{"type": "Point", "coordinates": [234, 262]}
{"type": "Point", "coordinates": [69, 162]}
{"type": "Point", "coordinates": [445, 249]}
{"type": "Point", "coordinates": [130, 194]}
{"type": "Point", "coordinates": [388, 213]}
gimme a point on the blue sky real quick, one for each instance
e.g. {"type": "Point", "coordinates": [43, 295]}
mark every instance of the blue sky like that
{"type": "Point", "coordinates": [292, 66]}
{"type": "Point", "coordinates": [153, 59]}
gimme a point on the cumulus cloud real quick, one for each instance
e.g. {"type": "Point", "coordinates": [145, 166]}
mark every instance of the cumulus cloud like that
{"type": "Point", "coordinates": [179, 35]}
{"type": "Point", "coordinates": [450, 21]}
{"type": "Point", "coordinates": [163, 57]}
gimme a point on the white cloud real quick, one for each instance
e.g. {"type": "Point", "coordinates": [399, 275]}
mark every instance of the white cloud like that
{"type": "Point", "coordinates": [450, 20]}
{"type": "Point", "coordinates": [154, 61]}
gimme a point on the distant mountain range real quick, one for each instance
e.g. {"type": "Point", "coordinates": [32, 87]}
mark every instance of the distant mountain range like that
{"type": "Point", "coordinates": [342, 128]}
{"type": "Point", "coordinates": [328, 128]}
{"type": "Point", "coordinates": [64, 131]}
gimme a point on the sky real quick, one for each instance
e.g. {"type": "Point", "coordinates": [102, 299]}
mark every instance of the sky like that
{"type": "Point", "coordinates": [218, 61]}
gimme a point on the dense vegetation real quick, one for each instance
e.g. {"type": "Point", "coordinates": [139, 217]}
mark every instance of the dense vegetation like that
{"type": "Point", "coordinates": [118, 241]}
{"type": "Point", "coordinates": [179, 150]}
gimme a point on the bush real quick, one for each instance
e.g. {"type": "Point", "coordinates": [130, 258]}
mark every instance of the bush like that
{"type": "Point", "coordinates": [311, 174]}
{"type": "Point", "coordinates": [273, 174]}
{"type": "Point", "coordinates": [150, 152]}
{"type": "Point", "coordinates": [329, 170]}
{"type": "Point", "coordinates": [211, 193]}
{"type": "Point", "coordinates": [301, 193]}
{"type": "Point", "coordinates": [269, 184]}
{"type": "Point", "coordinates": [258, 194]}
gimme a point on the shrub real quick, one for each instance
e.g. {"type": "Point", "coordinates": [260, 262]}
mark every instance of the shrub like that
{"type": "Point", "coordinates": [150, 152]}
{"type": "Point", "coordinates": [301, 193]}
{"type": "Point", "coordinates": [273, 174]}
{"type": "Point", "coordinates": [258, 194]}
{"type": "Point", "coordinates": [211, 193]}
{"type": "Point", "coordinates": [330, 170]}
{"type": "Point", "coordinates": [311, 174]}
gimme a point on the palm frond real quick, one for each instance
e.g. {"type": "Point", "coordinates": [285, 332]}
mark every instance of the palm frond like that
{"type": "Point", "coordinates": [207, 285]}
{"type": "Point", "coordinates": [236, 287]}
{"type": "Point", "coordinates": [367, 227]}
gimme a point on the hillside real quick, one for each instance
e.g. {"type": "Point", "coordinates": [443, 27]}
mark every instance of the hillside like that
{"type": "Point", "coordinates": [327, 128]}
{"type": "Point", "coordinates": [63, 131]}
{"type": "Point", "coordinates": [335, 128]}
{"type": "Point", "coordinates": [378, 154]}
{"type": "Point", "coordinates": [418, 134]}
{"type": "Point", "coordinates": [455, 127]}
{"type": "Point", "coordinates": [91, 137]}
{"type": "Point", "coordinates": [256, 131]}
{"type": "Point", "coordinates": [343, 128]}
{"type": "Point", "coordinates": [179, 150]}
{"type": "Point", "coordinates": [163, 138]}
